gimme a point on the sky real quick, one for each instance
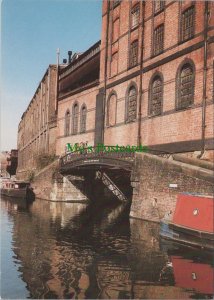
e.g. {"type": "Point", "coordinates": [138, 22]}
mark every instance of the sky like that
{"type": "Point", "coordinates": [31, 31]}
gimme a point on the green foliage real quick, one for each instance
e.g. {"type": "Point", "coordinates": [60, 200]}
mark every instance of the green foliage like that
{"type": "Point", "coordinates": [31, 176]}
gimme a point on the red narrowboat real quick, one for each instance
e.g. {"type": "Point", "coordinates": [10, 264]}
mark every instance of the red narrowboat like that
{"type": "Point", "coordinates": [192, 222]}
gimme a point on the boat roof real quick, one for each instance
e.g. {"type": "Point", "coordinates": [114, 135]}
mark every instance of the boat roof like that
{"type": "Point", "coordinates": [198, 195]}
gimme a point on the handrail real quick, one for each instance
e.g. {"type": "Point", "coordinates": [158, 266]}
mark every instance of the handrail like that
{"type": "Point", "coordinates": [93, 152]}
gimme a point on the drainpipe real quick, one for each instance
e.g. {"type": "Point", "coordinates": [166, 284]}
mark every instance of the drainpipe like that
{"type": "Point", "coordinates": [141, 78]}
{"type": "Point", "coordinates": [105, 71]}
{"type": "Point", "coordinates": [203, 126]}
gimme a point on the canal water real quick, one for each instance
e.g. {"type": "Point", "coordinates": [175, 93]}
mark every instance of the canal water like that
{"type": "Point", "coordinates": [79, 251]}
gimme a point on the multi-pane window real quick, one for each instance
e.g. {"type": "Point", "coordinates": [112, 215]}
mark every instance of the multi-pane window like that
{"type": "Point", "coordinates": [132, 104]}
{"type": "Point", "coordinates": [158, 6]}
{"type": "Point", "coordinates": [156, 96]}
{"type": "Point", "coordinates": [186, 87]}
{"type": "Point", "coordinates": [158, 40]}
{"type": "Point", "coordinates": [67, 123]}
{"type": "Point", "coordinates": [135, 15]}
{"type": "Point", "coordinates": [133, 54]}
{"type": "Point", "coordinates": [83, 119]}
{"type": "Point", "coordinates": [75, 119]}
{"type": "Point", "coordinates": [187, 24]}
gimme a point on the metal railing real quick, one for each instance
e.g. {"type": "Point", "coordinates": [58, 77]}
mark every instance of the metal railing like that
{"type": "Point", "coordinates": [94, 152]}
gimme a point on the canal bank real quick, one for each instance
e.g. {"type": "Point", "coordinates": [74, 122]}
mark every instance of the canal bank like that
{"type": "Point", "coordinates": [155, 183]}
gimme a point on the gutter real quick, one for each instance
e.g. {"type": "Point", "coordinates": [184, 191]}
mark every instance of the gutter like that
{"type": "Point", "coordinates": [141, 78]}
{"type": "Point", "coordinates": [203, 125]}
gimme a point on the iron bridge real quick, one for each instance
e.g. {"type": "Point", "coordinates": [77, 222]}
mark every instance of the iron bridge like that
{"type": "Point", "coordinates": [85, 159]}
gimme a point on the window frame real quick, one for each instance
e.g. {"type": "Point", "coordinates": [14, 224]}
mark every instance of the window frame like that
{"type": "Point", "coordinates": [155, 76]}
{"type": "Point", "coordinates": [134, 9]}
{"type": "Point", "coordinates": [155, 41]}
{"type": "Point", "coordinates": [83, 130]}
{"type": "Point", "coordinates": [132, 85]}
{"type": "Point", "coordinates": [178, 85]}
{"type": "Point", "coordinates": [155, 11]}
{"type": "Point", "coordinates": [131, 63]}
{"type": "Point", "coordinates": [75, 125]}
{"type": "Point", "coordinates": [67, 119]}
{"type": "Point", "coordinates": [182, 39]}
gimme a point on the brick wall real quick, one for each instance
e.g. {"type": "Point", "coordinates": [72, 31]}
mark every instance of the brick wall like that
{"type": "Point", "coordinates": [152, 195]}
{"type": "Point", "coordinates": [181, 128]}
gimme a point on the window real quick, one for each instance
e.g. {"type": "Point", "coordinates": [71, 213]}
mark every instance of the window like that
{"type": "Point", "coordinates": [187, 24]}
{"type": "Point", "coordinates": [83, 119]}
{"type": "Point", "coordinates": [135, 15]}
{"type": "Point", "coordinates": [185, 87]}
{"type": "Point", "coordinates": [133, 54]}
{"type": "Point", "coordinates": [132, 104]}
{"type": "Point", "coordinates": [158, 40]}
{"type": "Point", "coordinates": [75, 118]}
{"type": "Point", "coordinates": [111, 110]}
{"type": "Point", "coordinates": [156, 96]}
{"type": "Point", "coordinates": [158, 6]}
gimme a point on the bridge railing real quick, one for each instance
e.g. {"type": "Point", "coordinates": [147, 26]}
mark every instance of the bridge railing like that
{"type": "Point", "coordinates": [93, 152]}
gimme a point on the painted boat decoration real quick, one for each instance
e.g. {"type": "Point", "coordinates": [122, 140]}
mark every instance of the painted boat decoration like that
{"type": "Point", "coordinates": [192, 222]}
{"type": "Point", "coordinates": [16, 189]}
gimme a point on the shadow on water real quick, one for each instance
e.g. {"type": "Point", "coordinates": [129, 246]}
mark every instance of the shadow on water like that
{"type": "Point", "coordinates": [94, 251]}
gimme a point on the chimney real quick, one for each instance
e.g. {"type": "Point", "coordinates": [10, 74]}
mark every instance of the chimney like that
{"type": "Point", "coordinates": [69, 56]}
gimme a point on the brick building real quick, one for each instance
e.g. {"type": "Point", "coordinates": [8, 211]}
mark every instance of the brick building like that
{"type": "Point", "coordinates": [37, 128]}
{"type": "Point", "coordinates": [149, 81]}
{"type": "Point", "coordinates": [78, 89]}
{"type": "Point", "coordinates": [155, 83]}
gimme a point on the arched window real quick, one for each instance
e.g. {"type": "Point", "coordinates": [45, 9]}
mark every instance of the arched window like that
{"type": "Point", "coordinates": [83, 118]}
{"type": "Point", "coordinates": [185, 96]}
{"type": "Point", "coordinates": [111, 110]}
{"type": "Point", "coordinates": [156, 96]}
{"type": "Point", "coordinates": [75, 118]}
{"type": "Point", "coordinates": [131, 104]}
{"type": "Point", "coordinates": [67, 122]}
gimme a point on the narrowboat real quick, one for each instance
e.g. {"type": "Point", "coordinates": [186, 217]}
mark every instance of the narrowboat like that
{"type": "Point", "coordinates": [192, 222]}
{"type": "Point", "coordinates": [16, 189]}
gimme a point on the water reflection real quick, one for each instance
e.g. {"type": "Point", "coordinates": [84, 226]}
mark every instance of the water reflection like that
{"type": "Point", "coordinates": [77, 251]}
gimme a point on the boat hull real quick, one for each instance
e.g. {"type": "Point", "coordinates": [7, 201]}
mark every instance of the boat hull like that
{"type": "Point", "coordinates": [14, 193]}
{"type": "Point", "coordinates": [187, 236]}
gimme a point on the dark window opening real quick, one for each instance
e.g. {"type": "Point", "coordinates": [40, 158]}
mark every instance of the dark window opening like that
{"type": "Point", "coordinates": [67, 123]}
{"type": "Point", "coordinates": [132, 105]}
{"type": "Point", "coordinates": [83, 119]}
{"type": "Point", "coordinates": [156, 96]}
{"type": "Point", "coordinates": [158, 40]}
{"type": "Point", "coordinates": [135, 15]}
{"type": "Point", "coordinates": [187, 24]}
{"type": "Point", "coordinates": [158, 6]}
{"type": "Point", "coordinates": [75, 119]}
{"type": "Point", "coordinates": [133, 60]}
{"type": "Point", "coordinates": [186, 87]}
